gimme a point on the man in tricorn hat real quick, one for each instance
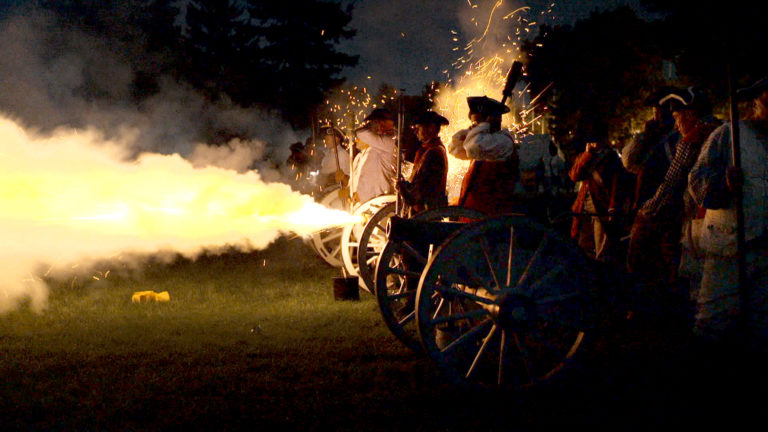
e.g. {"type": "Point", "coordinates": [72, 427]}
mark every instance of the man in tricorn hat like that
{"type": "Point", "coordinates": [426, 188]}
{"type": "Point", "coordinates": [655, 239]}
{"type": "Point", "coordinates": [375, 166]}
{"type": "Point", "coordinates": [649, 154]}
{"type": "Point", "coordinates": [490, 180]}
{"type": "Point", "coordinates": [712, 183]}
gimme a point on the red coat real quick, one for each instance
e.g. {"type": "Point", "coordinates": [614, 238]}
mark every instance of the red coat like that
{"type": "Point", "coordinates": [426, 189]}
{"type": "Point", "coordinates": [609, 185]}
{"type": "Point", "coordinates": [488, 186]}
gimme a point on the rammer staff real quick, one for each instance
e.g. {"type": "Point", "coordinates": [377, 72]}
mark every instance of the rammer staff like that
{"type": "Point", "coordinates": [399, 167]}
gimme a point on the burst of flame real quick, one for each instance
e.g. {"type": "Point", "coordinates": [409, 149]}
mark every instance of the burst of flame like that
{"type": "Point", "coordinates": [73, 195]}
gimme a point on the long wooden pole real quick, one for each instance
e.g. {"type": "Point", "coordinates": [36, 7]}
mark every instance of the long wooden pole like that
{"type": "Point", "coordinates": [738, 196]}
{"type": "Point", "coordinates": [399, 167]}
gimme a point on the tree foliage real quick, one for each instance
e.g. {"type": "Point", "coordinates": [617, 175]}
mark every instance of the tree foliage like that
{"type": "Point", "coordinates": [278, 55]}
{"type": "Point", "coordinates": [707, 36]}
{"type": "Point", "coordinates": [601, 70]}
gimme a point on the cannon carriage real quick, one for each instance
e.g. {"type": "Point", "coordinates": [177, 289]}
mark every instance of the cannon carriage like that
{"type": "Point", "coordinates": [498, 302]}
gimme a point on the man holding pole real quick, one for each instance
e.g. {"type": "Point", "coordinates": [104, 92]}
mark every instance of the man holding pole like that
{"type": "Point", "coordinates": [334, 168]}
{"type": "Point", "coordinates": [714, 182]}
{"type": "Point", "coordinates": [426, 188]}
{"type": "Point", "coordinates": [374, 172]}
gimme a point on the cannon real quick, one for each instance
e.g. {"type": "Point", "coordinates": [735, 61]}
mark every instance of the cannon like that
{"type": "Point", "coordinates": [402, 260]}
{"type": "Point", "coordinates": [501, 302]}
{"type": "Point", "coordinates": [361, 243]}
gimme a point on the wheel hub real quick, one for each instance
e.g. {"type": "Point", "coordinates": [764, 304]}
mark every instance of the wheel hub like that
{"type": "Point", "coordinates": [515, 312]}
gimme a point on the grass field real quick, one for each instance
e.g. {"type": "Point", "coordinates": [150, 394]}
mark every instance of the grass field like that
{"type": "Point", "coordinates": [256, 341]}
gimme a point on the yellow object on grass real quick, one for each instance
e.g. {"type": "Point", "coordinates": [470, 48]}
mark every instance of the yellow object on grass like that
{"type": "Point", "coordinates": [150, 296]}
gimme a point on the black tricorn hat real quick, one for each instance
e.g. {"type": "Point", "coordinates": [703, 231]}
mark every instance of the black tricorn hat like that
{"type": "Point", "coordinates": [654, 98]}
{"type": "Point", "coordinates": [486, 105]}
{"type": "Point", "coordinates": [753, 91]}
{"type": "Point", "coordinates": [691, 98]}
{"type": "Point", "coordinates": [431, 117]}
{"type": "Point", "coordinates": [380, 114]}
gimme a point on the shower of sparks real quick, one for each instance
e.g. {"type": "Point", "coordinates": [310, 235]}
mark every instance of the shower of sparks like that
{"type": "Point", "coordinates": [348, 106]}
{"type": "Point", "coordinates": [481, 70]}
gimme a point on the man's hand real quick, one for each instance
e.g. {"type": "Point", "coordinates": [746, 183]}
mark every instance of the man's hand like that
{"type": "Point", "coordinates": [339, 176]}
{"type": "Point", "coordinates": [734, 178]}
{"type": "Point", "coordinates": [592, 147]}
{"type": "Point", "coordinates": [344, 193]}
{"type": "Point", "coordinates": [360, 145]}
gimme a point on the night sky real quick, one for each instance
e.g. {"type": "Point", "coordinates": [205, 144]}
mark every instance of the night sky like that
{"type": "Point", "coordinates": [388, 57]}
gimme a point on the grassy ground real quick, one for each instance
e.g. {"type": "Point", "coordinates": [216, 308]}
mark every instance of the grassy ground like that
{"type": "Point", "coordinates": [255, 341]}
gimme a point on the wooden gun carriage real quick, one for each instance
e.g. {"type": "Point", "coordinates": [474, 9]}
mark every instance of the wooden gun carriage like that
{"type": "Point", "coordinates": [496, 302]}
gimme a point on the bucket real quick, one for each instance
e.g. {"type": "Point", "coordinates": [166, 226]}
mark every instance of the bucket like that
{"type": "Point", "coordinates": [346, 288]}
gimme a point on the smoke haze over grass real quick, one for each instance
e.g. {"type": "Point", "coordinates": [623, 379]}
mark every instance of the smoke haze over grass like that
{"type": "Point", "coordinates": [88, 169]}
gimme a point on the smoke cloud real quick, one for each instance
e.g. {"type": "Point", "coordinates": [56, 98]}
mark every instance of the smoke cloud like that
{"type": "Point", "coordinates": [52, 76]}
{"type": "Point", "coordinates": [72, 196]}
{"type": "Point", "coordinates": [88, 170]}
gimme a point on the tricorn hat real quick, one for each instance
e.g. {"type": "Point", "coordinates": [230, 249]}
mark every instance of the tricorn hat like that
{"type": "Point", "coordinates": [380, 114]}
{"type": "Point", "coordinates": [654, 98]}
{"type": "Point", "coordinates": [690, 98]}
{"type": "Point", "coordinates": [753, 91]}
{"type": "Point", "coordinates": [431, 117]}
{"type": "Point", "coordinates": [328, 129]}
{"type": "Point", "coordinates": [486, 105]}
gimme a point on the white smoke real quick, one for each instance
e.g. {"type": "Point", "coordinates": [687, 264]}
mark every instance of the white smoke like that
{"type": "Point", "coordinates": [87, 170]}
{"type": "Point", "coordinates": [52, 76]}
{"type": "Point", "coordinates": [71, 196]}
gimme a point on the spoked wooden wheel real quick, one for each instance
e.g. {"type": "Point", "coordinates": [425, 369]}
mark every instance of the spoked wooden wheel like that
{"type": "Point", "coordinates": [505, 303]}
{"type": "Point", "coordinates": [372, 240]}
{"type": "Point", "coordinates": [398, 270]}
{"type": "Point", "coordinates": [352, 234]}
{"type": "Point", "coordinates": [327, 242]}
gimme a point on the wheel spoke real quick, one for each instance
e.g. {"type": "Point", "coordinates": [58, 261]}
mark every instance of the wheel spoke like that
{"type": "Point", "coordinates": [533, 263]}
{"type": "Point", "coordinates": [481, 351]}
{"type": "Point", "coordinates": [398, 295]}
{"type": "Point", "coordinates": [330, 237]}
{"type": "Point", "coordinates": [414, 253]}
{"type": "Point", "coordinates": [552, 278]}
{"type": "Point", "coordinates": [510, 254]}
{"type": "Point", "coordinates": [447, 290]}
{"type": "Point", "coordinates": [524, 356]}
{"type": "Point", "coordinates": [398, 271]}
{"type": "Point", "coordinates": [407, 318]}
{"type": "Point", "coordinates": [438, 307]}
{"type": "Point", "coordinates": [470, 337]}
{"type": "Point", "coordinates": [477, 313]}
{"type": "Point", "coordinates": [486, 255]}
{"type": "Point", "coordinates": [502, 354]}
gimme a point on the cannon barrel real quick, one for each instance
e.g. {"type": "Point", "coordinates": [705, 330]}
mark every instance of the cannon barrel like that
{"type": "Point", "coordinates": [400, 229]}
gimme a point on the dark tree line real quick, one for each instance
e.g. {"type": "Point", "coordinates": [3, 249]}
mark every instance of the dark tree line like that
{"type": "Point", "coordinates": [603, 68]}
{"type": "Point", "coordinates": [277, 55]}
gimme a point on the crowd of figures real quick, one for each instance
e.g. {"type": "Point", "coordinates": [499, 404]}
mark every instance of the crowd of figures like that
{"type": "Point", "coordinates": [660, 208]}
